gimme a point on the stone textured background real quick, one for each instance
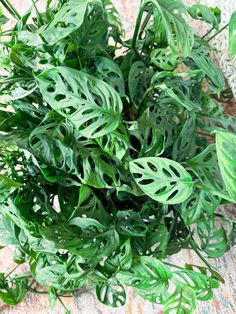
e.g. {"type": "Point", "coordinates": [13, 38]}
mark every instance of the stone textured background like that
{"type": "Point", "coordinates": [85, 303]}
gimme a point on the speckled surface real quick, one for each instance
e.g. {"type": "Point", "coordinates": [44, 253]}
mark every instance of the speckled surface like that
{"type": "Point", "coordinates": [224, 301]}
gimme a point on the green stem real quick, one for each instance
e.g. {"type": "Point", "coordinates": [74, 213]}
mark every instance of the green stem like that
{"type": "Point", "coordinates": [10, 8]}
{"type": "Point", "coordinates": [137, 26]}
{"type": "Point", "coordinates": [195, 248]}
{"type": "Point", "coordinates": [210, 30]}
{"type": "Point", "coordinates": [14, 80]}
{"type": "Point", "coordinates": [217, 33]}
{"type": "Point", "coordinates": [12, 271]}
{"type": "Point", "coordinates": [38, 13]}
{"type": "Point", "coordinates": [175, 266]}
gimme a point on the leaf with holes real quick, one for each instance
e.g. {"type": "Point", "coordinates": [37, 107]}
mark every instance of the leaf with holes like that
{"type": "Point", "coordinates": [162, 179]}
{"type": "Point", "coordinates": [121, 258]}
{"type": "Point", "coordinates": [89, 103]}
{"type": "Point", "coordinates": [165, 59]}
{"type": "Point", "coordinates": [200, 59]}
{"type": "Point", "coordinates": [204, 13]}
{"type": "Point", "coordinates": [129, 223]}
{"type": "Point", "coordinates": [200, 283]}
{"type": "Point", "coordinates": [185, 145]}
{"type": "Point", "coordinates": [198, 204]}
{"type": "Point", "coordinates": [179, 33]}
{"type": "Point", "coordinates": [111, 294]}
{"type": "Point", "coordinates": [182, 301]}
{"type": "Point", "coordinates": [138, 81]}
{"type": "Point", "coordinates": [226, 152]}
{"type": "Point", "coordinates": [68, 19]}
{"type": "Point", "coordinates": [146, 273]}
{"type": "Point", "coordinates": [213, 238]}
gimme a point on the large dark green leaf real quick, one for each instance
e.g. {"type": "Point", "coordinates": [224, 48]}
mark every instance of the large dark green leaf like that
{"type": "Point", "coordinates": [162, 179]}
{"type": "Point", "coordinates": [111, 294]}
{"type": "Point", "coordinates": [91, 104]}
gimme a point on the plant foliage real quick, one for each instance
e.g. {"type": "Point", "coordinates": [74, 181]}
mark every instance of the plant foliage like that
{"type": "Point", "coordinates": [111, 158]}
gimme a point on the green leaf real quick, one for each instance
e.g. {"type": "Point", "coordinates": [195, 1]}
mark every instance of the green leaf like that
{"type": "Point", "coordinates": [130, 223]}
{"type": "Point", "coordinates": [165, 58]}
{"type": "Point", "coordinates": [93, 32]}
{"type": "Point", "coordinates": [232, 34]}
{"type": "Point", "coordinates": [185, 145]}
{"type": "Point", "coordinates": [213, 238]}
{"type": "Point", "coordinates": [145, 136]}
{"type": "Point", "coordinates": [204, 13]}
{"type": "Point", "coordinates": [200, 59]}
{"type": "Point", "coordinates": [226, 152]}
{"type": "Point", "coordinates": [120, 259]}
{"type": "Point", "coordinates": [108, 71]}
{"type": "Point", "coordinates": [182, 301]}
{"type": "Point", "coordinates": [84, 237]}
{"type": "Point", "coordinates": [199, 203]}
{"type": "Point", "coordinates": [90, 104]}
{"type": "Point", "coordinates": [68, 19]}
{"type": "Point", "coordinates": [200, 283]}
{"type": "Point", "coordinates": [7, 187]}
{"type": "Point", "coordinates": [162, 179]}
{"type": "Point", "coordinates": [179, 33]}
{"type": "Point", "coordinates": [147, 273]}
{"type": "Point", "coordinates": [111, 294]}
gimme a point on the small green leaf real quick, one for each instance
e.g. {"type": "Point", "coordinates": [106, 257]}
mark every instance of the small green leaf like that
{"type": "Point", "coordinates": [162, 179]}
{"type": "Point", "coordinates": [7, 187]}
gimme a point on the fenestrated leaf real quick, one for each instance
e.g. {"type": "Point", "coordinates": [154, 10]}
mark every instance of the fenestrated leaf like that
{"type": "Point", "coordinates": [200, 283]}
{"type": "Point", "coordinates": [165, 58]}
{"type": "Point", "coordinates": [112, 293]}
{"type": "Point", "coordinates": [93, 32]}
{"type": "Point", "coordinates": [108, 71]}
{"type": "Point", "coordinates": [179, 33]}
{"type": "Point", "coordinates": [85, 237]}
{"type": "Point", "coordinates": [121, 258]}
{"type": "Point", "coordinates": [226, 152]}
{"type": "Point", "coordinates": [7, 187]}
{"type": "Point", "coordinates": [68, 19]}
{"type": "Point", "coordinates": [182, 301]}
{"type": "Point", "coordinates": [200, 59]}
{"type": "Point", "coordinates": [213, 238]}
{"type": "Point", "coordinates": [185, 145]}
{"type": "Point", "coordinates": [162, 179]}
{"type": "Point", "coordinates": [198, 204]}
{"type": "Point", "coordinates": [204, 13]}
{"type": "Point", "coordinates": [138, 81]}
{"type": "Point", "coordinates": [130, 223]}
{"type": "Point", "coordinates": [89, 103]}
{"type": "Point", "coordinates": [146, 273]}
{"type": "Point", "coordinates": [145, 136]}
{"type": "Point", "coordinates": [232, 34]}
